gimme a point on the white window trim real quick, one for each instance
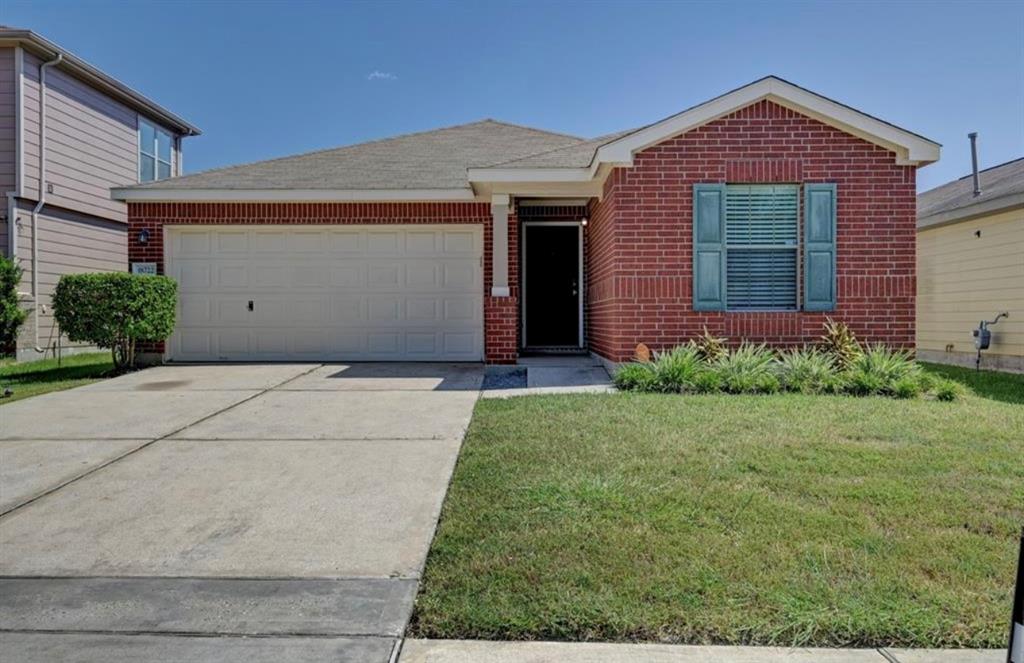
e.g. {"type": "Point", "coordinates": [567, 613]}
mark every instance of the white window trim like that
{"type": "Point", "coordinates": [155, 153]}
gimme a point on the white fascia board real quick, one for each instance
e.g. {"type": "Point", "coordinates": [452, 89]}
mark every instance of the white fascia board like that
{"type": "Point", "coordinates": [910, 148]}
{"type": "Point", "coordinates": [131, 194]}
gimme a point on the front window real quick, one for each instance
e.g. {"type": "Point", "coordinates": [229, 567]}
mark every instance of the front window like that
{"type": "Point", "coordinates": [154, 152]}
{"type": "Point", "coordinates": [761, 238]}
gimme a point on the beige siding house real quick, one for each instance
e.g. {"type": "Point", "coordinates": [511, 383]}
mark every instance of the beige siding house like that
{"type": "Point", "coordinates": [68, 133]}
{"type": "Point", "coordinates": [970, 267]}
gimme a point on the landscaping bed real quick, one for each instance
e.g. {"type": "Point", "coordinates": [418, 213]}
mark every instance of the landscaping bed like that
{"type": "Point", "coordinates": [788, 519]}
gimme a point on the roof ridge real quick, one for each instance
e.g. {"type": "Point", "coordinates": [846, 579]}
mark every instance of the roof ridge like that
{"type": "Point", "coordinates": [322, 150]}
{"type": "Point", "coordinates": [534, 129]}
{"type": "Point", "coordinates": [970, 175]}
{"type": "Point", "coordinates": [606, 138]}
{"type": "Point", "coordinates": [985, 170]}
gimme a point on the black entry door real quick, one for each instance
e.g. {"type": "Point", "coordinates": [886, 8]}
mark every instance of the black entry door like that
{"type": "Point", "coordinates": [552, 286]}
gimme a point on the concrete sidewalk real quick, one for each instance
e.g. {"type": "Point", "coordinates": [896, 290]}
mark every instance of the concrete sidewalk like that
{"type": "Point", "coordinates": [477, 651]}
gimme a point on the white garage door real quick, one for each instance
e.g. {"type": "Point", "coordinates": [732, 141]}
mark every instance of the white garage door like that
{"type": "Point", "coordinates": [273, 293]}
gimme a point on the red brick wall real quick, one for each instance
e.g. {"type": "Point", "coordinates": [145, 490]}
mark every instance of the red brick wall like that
{"type": "Point", "coordinates": [640, 278]}
{"type": "Point", "coordinates": [499, 312]}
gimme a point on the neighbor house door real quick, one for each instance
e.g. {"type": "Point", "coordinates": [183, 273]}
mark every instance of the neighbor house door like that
{"type": "Point", "coordinates": [552, 285]}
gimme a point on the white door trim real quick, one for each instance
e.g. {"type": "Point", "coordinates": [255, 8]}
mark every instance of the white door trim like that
{"type": "Point", "coordinates": [579, 278]}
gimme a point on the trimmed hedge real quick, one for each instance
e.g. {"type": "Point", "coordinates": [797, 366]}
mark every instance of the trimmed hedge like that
{"type": "Point", "coordinates": [116, 310]}
{"type": "Point", "coordinates": [12, 315]}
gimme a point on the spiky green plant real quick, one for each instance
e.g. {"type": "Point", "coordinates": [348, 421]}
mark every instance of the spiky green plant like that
{"type": "Point", "coordinates": [747, 369]}
{"type": "Point", "coordinates": [809, 371]}
{"type": "Point", "coordinates": [840, 342]}
{"type": "Point", "coordinates": [677, 369]}
{"type": "Point", "coordinates": [948, 390]}
{"type": "Point", "coordinates": [709, 347]}
{"type": "Point", "coordinates": [878, 369]}
{"type": "Point", "coordinates": [636, 376]}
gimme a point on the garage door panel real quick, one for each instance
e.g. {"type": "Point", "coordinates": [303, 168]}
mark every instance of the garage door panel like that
{"type": "Point", "coordinates": [419, 242]}
{"type": "Point", "coordinates": [421, 309]}
{"type": "Point", "coordinates": [461, 309]}
{"type": "Point", "coordinates": [231, 310]}
{"type": "Point", "coordinates": [384, 242]}
{"type": "Point", "coordinates": [232, 241]}
{"type": "Point", "coordinates": [422, 274]}
{"type": "Point", "coordinates": [460, 343]}
{"type": "Point", "coordinates": [348, 310]}
{"type": "Point", "coordinates": [385, 275]}
{"type": "Point", "coordinates": [459, 276]}
{"type": "Point", "coordinates": [331, 293]}
{"type": "Point", "coordinates": [343, 242]}
{"type": "Point", "coordinates": [461, 241]}
{"type": "Point", "coordinates": [384, 309]}
{"type": "Point", "coordinates": [193, 243]}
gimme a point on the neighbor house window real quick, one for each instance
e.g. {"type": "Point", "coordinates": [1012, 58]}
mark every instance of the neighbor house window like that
{"type": "Point", "coordinates": [154, 152]}
{"type": "Point", "coordinates": [761, 228]}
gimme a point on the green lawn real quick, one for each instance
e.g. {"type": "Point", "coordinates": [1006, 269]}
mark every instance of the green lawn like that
{"type": "Point", "coordinates": [32, 378]}
{"type": "Point", "coordinates": [788, 519]}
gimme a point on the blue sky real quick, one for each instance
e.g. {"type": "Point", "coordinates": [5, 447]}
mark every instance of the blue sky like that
{"type": "Point", "coordinates": [266, 79]}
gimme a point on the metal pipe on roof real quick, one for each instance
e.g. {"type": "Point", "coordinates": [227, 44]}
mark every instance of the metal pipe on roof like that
{"type": "Point", "coordinates": [974, 162]}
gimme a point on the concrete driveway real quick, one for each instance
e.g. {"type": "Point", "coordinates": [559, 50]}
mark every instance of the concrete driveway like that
{"type": "Point", "coordinates": [171, 513]}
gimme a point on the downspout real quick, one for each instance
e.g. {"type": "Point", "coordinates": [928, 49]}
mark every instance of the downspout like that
{"type": "Point", "coordinates": [42, 198]}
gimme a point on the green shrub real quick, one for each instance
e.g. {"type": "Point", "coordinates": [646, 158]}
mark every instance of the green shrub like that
{"type": "Point", "coordinates": [12, 315]}
{"type": "Point", "coordinates": [638, 376]}
{"type": "Point", "coordinates": [808, 371]}
{"type": "Point", "coordinates": [878, 369]}
{"type": "Point", "coordinates": [749, 369]}
{"type": "Point", "coordinates": [907, 386]}
{"type": "Point", "coordinates": [710, 348]}
{"type": "Point", "coordinates": [948, 390]}
{"type": "Point", "coordinates": [840, 342]}
{"type": "Point", "coordinates": [707, 381]}
{"type": "Point", "coordinates": [677, 369]}
{"type": "Point", "coordinates": [116, 310]}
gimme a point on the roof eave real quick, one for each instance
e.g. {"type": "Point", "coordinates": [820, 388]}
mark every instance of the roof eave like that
{"type": "Point", "coordinates": [143, 194]}
{"type": "Point", "coordinates": [100, 79]}
{"type": "Point", "coordinates": [973, 211]}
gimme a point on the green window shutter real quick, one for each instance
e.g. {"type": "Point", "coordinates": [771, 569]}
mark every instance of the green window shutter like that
{"type": "Point", "coordinates": [708, 247]}
{"type": "Point", "coordinates": [819, 247]}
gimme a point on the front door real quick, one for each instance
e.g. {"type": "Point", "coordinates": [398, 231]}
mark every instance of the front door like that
{"type": "Point", "coordinates": [552, 285]}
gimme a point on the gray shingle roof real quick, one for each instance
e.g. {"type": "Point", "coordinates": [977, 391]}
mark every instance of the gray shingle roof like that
{"type": "Point", "coordinates": [578, 155]}
{"type": "Point", "coordinates": [435, 159]}
{"type": "Point", "coordinates": [956, 199]}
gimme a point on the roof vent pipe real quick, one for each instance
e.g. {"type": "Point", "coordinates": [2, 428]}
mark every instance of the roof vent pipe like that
{"type": "Point", "coordinates": [974, 161]}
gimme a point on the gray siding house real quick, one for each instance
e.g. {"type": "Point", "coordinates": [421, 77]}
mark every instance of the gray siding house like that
{"type": "Point", "coordinates": [68, 133]}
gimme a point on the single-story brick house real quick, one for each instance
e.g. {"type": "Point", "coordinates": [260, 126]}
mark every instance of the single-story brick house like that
{"type": "Point", "coordinates": [756, 215]}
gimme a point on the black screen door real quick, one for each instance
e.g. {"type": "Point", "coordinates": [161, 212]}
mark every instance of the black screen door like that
{"type": "Point", "coordinates": [552, 267]}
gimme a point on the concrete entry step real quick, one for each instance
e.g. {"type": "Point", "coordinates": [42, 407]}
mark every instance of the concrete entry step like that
{"type": "Point", "coordinates": [212, 606]}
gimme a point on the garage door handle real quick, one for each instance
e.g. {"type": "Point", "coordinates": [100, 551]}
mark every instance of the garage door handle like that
{"type": "Point", "coordinates": [250, 304]}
